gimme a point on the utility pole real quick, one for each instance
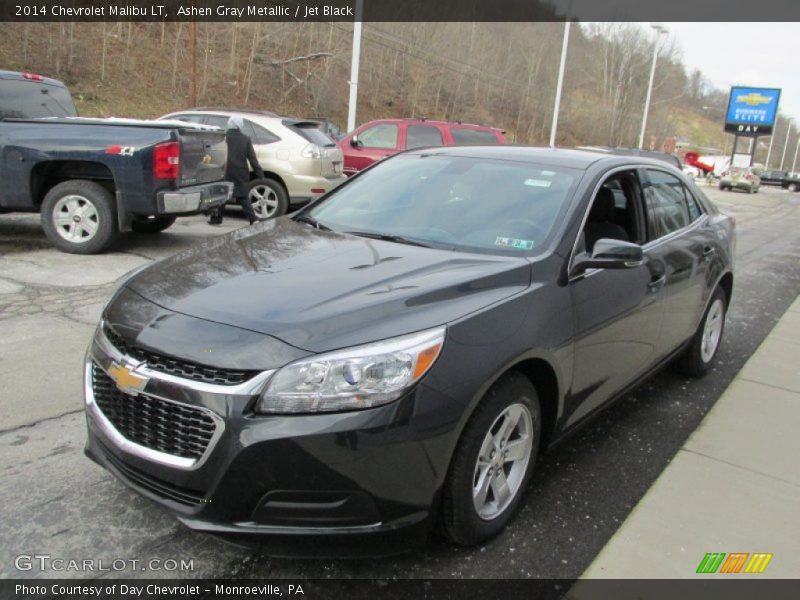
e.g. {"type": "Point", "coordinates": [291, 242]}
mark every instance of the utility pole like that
{"type": "Point", "coordinates": [560, 84]}
{"type": "Point", "coordinates": [193, 62]}
{"type": "Point", "coordinates": [786, 143]}
{"type": "Point", "coordinates": [354, 61]}
{"type": "Point", "coordinates": [660, 29]}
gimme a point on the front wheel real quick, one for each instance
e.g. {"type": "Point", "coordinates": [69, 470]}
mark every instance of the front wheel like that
{"type": "Point", "coordinates": [493, 462]}
{"type": "Point", "coordinates": [80, 217]}
{"type": "Point", "coordinates": [698, 357]}
{"type": "Point", "coordinates": [793, 187]}
{"type": "Point", "coordinates": [268, 198]}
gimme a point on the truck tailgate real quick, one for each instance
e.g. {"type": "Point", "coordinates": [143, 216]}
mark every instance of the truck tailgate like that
{"type": "Point", "coordinates": [203, 156]}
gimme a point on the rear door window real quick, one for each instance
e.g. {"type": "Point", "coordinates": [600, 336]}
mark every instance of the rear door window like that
{"type": "Point", "coordinates": [382, 135]}
{"type": "Point", "coordinates": [217, 121]}
{"type": "Point", "coordinates": [188, 118]}
{"type": "Point", "coordinates": [463, 136]}
{"type": "Point", "coordinates": [418, 136]}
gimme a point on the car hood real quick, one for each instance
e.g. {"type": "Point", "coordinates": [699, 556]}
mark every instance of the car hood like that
{"type": "Point", "coordinates": [320, 290]}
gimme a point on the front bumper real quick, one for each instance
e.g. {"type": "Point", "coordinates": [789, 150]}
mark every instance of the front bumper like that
{"type": "Point", "coordinates": [292, 479]}
{"type": "Point", "coordinates": [195, 199]}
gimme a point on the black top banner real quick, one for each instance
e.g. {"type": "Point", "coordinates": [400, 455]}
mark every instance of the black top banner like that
{"type": "Point", "coordinates": [400, 10]}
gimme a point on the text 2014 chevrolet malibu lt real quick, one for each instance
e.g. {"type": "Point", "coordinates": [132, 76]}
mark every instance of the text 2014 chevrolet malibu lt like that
{"type": "Point", "coordinates": [394, 357]}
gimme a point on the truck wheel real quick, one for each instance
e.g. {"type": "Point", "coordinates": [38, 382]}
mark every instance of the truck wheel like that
{"type": "Point", "coordinates": [792, 187]}
{"type": "Point", "coordinates": [80, 217]}
{"type": "Point", "coordinates": [269, 199]}
{"type": "Point", "coordinates": [152, 224]}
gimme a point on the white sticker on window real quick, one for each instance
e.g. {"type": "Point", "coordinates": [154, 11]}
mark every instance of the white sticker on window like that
{"type": "Point", "coordinates": [538, 182]}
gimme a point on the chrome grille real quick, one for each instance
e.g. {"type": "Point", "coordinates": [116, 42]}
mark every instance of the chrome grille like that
{"type": "Point", "coordinates": [178, 367]}
{"type": "Point", "coordinates": [157, 424]}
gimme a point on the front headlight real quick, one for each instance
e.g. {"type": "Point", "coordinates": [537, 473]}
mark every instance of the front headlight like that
{"type": "Point", "coordinates": [354, 378]}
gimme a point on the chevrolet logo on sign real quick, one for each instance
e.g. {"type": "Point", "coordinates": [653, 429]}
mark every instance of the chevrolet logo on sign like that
{"type": "Point", "coordinates": [126, 380]}
{"type": "Point", "coordinates": [753, 99]}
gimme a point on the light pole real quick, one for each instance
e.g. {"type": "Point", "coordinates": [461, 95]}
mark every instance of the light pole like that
{"type": "Point", "coordinates": [794, 162]}
{"type": "Point", "coordinates": [354, 61]}
{"type": "Point", "coordinates": [786, 143]}
{"type": "Point", "coordinates": [559, 85]}
{"type": "Point", "coordinates": [660, 29]}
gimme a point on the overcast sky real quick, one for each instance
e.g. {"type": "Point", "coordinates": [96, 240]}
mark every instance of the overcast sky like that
{"type": "Point", "coordinates": [755, 54]}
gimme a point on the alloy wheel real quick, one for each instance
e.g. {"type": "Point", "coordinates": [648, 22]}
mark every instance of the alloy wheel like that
{"type": "Point", "coordinates": [712, 331]}
{"type": "Point", "coordinates": [75, 219]}
{"type": "Point", "coordinates": [502, 461]}
{"type": "Point", "coordinates": [264, 201]}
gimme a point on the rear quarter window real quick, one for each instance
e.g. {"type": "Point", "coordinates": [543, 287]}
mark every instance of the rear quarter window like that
{"type": "Point", "coordinates": [473, 137]}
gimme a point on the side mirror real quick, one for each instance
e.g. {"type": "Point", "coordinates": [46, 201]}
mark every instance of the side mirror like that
{"type": "Point", "coordinates": [355, 142]}
{"type": "Point", "coordinates": [609, 254]}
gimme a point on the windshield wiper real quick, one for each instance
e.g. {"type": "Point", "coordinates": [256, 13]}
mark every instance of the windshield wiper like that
{"type": "Point", "coordinates": [388, 237]}
{"type": "Point", "coordinates": [311, 221]}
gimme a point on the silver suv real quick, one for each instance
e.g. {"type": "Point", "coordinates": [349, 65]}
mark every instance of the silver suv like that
{"type": "Point", "coordinates": [300, 161]}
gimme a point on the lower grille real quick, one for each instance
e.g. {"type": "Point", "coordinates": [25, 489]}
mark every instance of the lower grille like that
{"type": "Point", "coordinates": [153, 484]}
{"type": "Point", "coordinates": [157, 424]}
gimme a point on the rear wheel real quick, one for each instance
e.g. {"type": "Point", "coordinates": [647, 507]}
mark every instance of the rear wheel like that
{"type": "Point", "coordinates": [268, 198]}
{"type": "Point", "coordinates": [793, 187]}
{"type": "Point", "coordinates": [152, 224]}
{"type": "Point", "coordinates": [493, 462]}
{"type": "Point", "coordinates": [698, 357]}
{"type": "Point", "coordinates": [80, 217]}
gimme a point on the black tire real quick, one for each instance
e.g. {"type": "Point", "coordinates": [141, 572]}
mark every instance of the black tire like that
{"type": "Point", "coordinates": [153, 224]}
{"type": "Point", "coordinates": [90, 196]}
{"type": "Point", "coordinates": [460, 521]}
{"type": "Point", "coordinates": [792, 187]}
{"type": "Point", "coordinates": [693, 362]}
{"type": "Point", "coordinates": [276, 193]}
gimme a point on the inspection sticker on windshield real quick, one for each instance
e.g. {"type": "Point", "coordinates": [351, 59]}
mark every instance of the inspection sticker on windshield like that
{"type": "Point", "coordinates": [504, 242]}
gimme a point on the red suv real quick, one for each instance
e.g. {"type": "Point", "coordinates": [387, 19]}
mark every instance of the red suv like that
{"type": "Point", "coordinates": [382, 138]}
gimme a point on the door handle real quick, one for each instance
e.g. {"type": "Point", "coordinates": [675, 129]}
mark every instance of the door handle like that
{"type": "Point", "coordinates": [708, 252]}
{"type": "Point", "coordinates": [656, 282]}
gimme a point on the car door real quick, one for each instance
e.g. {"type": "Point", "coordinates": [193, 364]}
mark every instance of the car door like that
{"type": "Point", "coordinates": [616, 312]}
{"type": "Point", "coordinates": [374, 143]}
{"type": "Point", "coordinates": [421, 136]}
{"type": "Point", "coordinates": [678, 235]}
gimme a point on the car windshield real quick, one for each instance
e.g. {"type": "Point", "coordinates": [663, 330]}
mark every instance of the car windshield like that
{"type": "Point", "coordinates": [450, 201]}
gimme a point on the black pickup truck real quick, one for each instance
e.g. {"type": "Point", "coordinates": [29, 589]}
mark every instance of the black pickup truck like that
{"type": "Point", "coordinates": [93, 178]}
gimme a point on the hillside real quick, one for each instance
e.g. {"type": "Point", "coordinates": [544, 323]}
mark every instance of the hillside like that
{"type": "Point", "coordinates": [503, 74]}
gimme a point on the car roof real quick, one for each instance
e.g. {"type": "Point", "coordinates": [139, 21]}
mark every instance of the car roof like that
{"type": "Point", "coordinates": [221, 112]}
{"type": "Point", "coordinates": [565, 157]}
{"type": "Point", "coordinates": [421, 120]}
{"type": "Point", "coordinates": [31, 77]}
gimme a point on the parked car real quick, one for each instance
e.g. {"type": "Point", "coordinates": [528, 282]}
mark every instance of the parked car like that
{"type": "Point", "coordinates": [399, 353]}
{"type": "Point", "coordinates": [300, 161]}
{"type": "Point", "coordinates": [93, 178]}
{"type": "Point", "coordinates": [739, 178]}
{"type": "Point", "coordinates": [773, 178]}
{"type": "Point", "coordinates": [379, 139]}
{"type": "Point", "coordinates": [791, 182]}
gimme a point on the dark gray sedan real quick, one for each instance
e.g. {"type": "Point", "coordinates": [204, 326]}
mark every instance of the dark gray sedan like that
{"type": "Point", "coordinates": [396, 355]}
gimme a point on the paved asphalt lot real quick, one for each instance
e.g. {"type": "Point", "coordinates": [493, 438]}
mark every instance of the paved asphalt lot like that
{"type": "Point", "coordinates": [55, 501]}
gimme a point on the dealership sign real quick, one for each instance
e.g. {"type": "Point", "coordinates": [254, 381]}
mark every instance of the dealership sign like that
{"type": "Point", "coordinates": [752, 111]}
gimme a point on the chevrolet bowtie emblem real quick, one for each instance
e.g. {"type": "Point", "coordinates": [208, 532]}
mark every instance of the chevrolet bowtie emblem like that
{"type": "Point", "coordinates": [126, 379]}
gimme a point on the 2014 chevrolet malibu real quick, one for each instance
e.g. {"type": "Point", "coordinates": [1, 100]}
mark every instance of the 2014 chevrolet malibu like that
{"type": "Point", "coordinates": [396, 355]}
